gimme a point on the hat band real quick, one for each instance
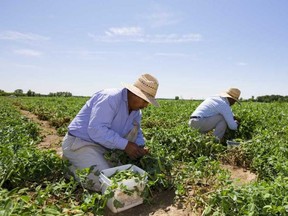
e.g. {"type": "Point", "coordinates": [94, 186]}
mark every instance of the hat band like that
{"type": "Point", "coordinates": [147, 84]}
{"type": "Point", "coordinates": [146, 89]}
{"type": "Point", "coordinates": [234, 96]}
{"type": "Point", "coordinates": [147, 94]}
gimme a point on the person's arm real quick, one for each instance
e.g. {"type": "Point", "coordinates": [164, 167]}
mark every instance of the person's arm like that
{"type": "Point", "coordinates": [226, 111]}
{"type": "Point", "coordinates": [140, 138]}
{"type": "Point", "coordinates": [141, 142]}
{"type": "Point", "coordinates": [102, 114]}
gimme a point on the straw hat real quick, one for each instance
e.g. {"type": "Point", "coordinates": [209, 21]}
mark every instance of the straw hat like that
{"type": "Point", "coordinates": [233, 93]}
{"type": "Point", "coordinates": [145, 87]}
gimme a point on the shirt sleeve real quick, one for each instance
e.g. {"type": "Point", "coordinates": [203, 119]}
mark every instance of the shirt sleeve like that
{"type": "Point", "coordinates": [102, 114]}
{"type": "Point", "coordinates": [227, 113]}
{"type": "Point", "coordinates": [140, 138]}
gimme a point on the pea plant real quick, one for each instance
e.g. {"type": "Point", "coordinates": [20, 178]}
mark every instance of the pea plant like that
{"type": "Point", "coordinates": [181, 159]}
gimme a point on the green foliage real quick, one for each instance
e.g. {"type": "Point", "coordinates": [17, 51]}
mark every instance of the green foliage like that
{"type": "Point", "coordinates": [194, 180]}
{"type": "Point", "coordinates": [272, 98]}
{"type": "Point", "coordinates": [180, 158]}
{"type": "Point", "coordinates": [263, 198]}
{"type": "Point", "coordinates": [30, 93]}
{"type": "Point", "coordinates": [20, 162]}
{"type": "Point", "coordinates": [58, 111]}
{"type": "Point", "coordinates": [31, 181]}
{"type": "Point", "coordinates": [124, 174]}
{"type": "Point", "coordinates": [19, 92]}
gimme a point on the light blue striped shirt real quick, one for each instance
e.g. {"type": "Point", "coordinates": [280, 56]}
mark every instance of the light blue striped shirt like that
{"type": "Point", "coordinates": [216, 105]}
{"type": "Point", "coordinates": [105, 119]}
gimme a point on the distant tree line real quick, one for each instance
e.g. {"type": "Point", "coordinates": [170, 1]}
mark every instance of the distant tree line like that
{"type": "Point", "coordinates": [60, 94]}
{"type": "Point", "coordinates": [270, 98]}
{"type": "Point", "coordinates": [30, 93]}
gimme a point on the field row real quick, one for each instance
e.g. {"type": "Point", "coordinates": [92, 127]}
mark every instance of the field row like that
{"type": "Point", "coordinates": [181, 159]}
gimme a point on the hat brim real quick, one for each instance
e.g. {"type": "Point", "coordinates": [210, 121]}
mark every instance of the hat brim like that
{"type": "Point", "coordinates": [224, 94]}
{"type": "Point", "coordinates": [141, 94]}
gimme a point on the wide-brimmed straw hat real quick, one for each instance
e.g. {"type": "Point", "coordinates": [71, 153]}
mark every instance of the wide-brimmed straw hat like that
{"type": "Point", "coordinates": [145, 87]}
{"type": "Point", "coordinates": [233, 93]}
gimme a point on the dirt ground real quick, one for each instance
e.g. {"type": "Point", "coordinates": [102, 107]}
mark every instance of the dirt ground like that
{"type": "Point", "coordinates": [163, 203]}
{"type": "Point", "coordinates": [50, 138]}
{"type": "Point", "coordinates": [239, 175]}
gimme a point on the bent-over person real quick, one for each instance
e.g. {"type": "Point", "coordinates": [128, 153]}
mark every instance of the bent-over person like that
{"type": "Point", "coordinates": [109, 120]}
{"type": "Point", "coordinates": [215, 113]}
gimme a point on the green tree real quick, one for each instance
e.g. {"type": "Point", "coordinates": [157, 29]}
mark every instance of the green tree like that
{"type": "Point", "coordinates": [2, 92]}
{"type": "Point", "coordinates": [30, 93]}
{"type": "Point", "coordinates": [18, 92]}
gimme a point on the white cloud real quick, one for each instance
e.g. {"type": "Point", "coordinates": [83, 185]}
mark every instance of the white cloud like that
{"type": "Point", "coordinates": [126, 31]}
{"type": "Point", "coordinates": [27, 52]}
{"type": "Point", "coordinates": [136, 34]}
{"type": "Point", "coordinates": [172, 38]}
{"type": "Point", "coordinates": [14, 35]}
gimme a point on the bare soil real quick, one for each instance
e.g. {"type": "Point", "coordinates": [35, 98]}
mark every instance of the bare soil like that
{"type": "Point", "coordinates": [239, 175]}
{"type": "Point", "coordinates": [163, 203]}
{"type": "Point", "coordinates": [50, 138]}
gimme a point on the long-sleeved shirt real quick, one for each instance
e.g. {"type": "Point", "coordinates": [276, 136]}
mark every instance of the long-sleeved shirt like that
{"type": "Point", "coordinates": [216, 105]}
{"type": "Point", "coordinates": [105, 120]}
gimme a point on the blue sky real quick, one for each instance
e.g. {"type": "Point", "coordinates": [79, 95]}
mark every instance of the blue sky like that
{"type": "Point", "coordinates": [195, 48]}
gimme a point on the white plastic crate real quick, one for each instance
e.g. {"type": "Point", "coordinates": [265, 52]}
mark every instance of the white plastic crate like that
{"type": "Point", "coordinates": [128, 201]}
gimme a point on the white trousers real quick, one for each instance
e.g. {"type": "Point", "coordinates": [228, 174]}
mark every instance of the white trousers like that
{"type": "Point", "coordinates": [82, 154]}
{"type": "Point", "coordinates": [205, 125]}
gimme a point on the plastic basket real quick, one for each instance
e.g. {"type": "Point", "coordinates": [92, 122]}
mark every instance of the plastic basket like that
{"type": "Point", "coordinates": [128, 201]}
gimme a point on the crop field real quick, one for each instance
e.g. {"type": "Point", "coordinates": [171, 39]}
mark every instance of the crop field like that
{"type": "Point", "coordinates": [181, 160]}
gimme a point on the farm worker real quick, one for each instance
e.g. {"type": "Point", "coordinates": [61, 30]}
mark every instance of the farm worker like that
{"type": "Point", "coordinates": [215, 113]}
{"type": "Point", "coordinates": [110, 119]}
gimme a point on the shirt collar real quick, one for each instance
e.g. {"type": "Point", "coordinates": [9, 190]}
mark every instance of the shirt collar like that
{"type": "Point", "coordinates": [125, 95]}
{"type": "Point", "coordinates": [226, 100]}
{"type": "Point", "coordinates": [125, 98]}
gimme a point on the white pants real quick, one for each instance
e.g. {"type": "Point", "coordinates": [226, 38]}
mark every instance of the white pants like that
{"type": "Point", "coordinates": [82, 154]}
{"type": "Point", "coordinates": [204, 125]}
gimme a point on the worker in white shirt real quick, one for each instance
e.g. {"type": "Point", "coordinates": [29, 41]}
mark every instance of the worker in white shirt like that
{"type": "Point", "coordinates": [215, 113]}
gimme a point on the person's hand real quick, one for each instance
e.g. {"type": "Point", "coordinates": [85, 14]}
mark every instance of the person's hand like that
{"type": "Point", "coordinates": [238, 123]}
{"type": "Point", "coordinates": [146, 149]}
{"type": "Point", "coordinates": [237, 119]}
{"type": "Point", "coordinates": [134, 151]}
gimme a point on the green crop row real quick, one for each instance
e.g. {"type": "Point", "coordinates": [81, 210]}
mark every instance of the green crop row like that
{"type": "Point", "coordinates": [183, 159]}
{"type": "Point", "coordinates": [31, 180]}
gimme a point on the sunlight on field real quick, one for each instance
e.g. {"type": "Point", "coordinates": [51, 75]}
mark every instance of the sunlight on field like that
{"type": "Point", "coordinates": [190, 164]}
